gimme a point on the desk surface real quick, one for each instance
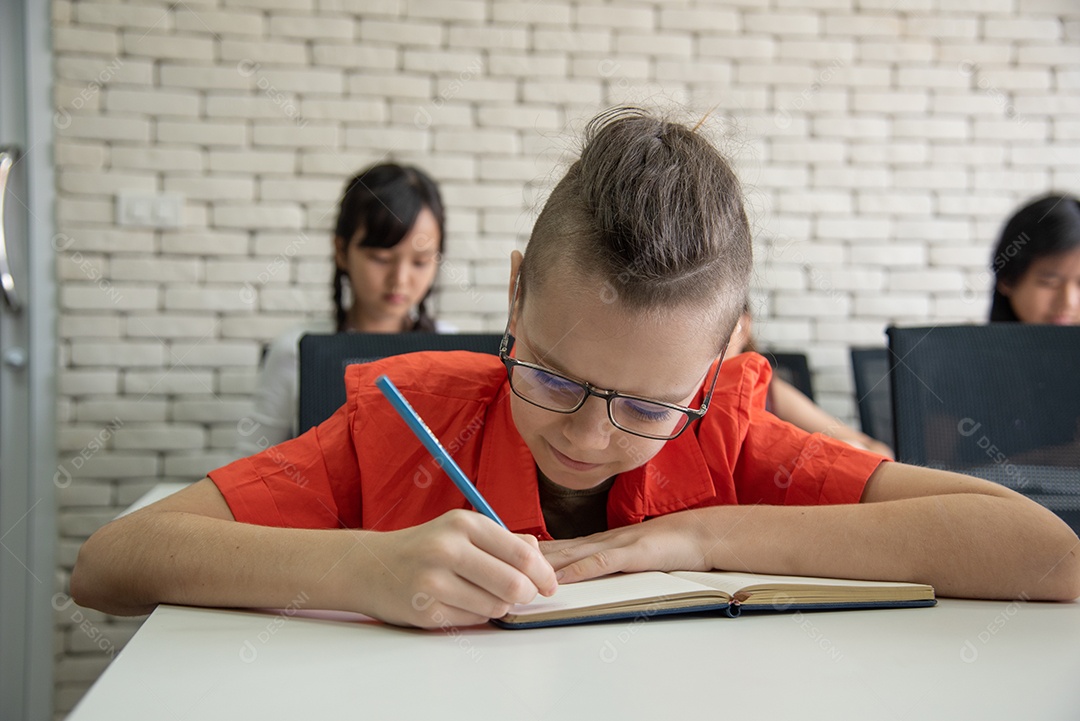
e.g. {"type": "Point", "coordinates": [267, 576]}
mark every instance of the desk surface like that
{"type": "Point", "coordinates": [960, 660]}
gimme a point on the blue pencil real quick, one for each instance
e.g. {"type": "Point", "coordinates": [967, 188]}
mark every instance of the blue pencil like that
{"type": "Point", "coordinates": [417, 425]}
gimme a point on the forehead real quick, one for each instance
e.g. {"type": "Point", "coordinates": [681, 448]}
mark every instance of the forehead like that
{"type": "Point", "coordinates": [578, 326]}
{"type": "Point", "coordinates": [1066, 264]}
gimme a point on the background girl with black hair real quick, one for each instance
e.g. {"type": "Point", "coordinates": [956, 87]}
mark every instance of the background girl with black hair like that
{"type": "Point", "coordinates": [1037, 264]}
{"type": "Point", "coordinates": [389, 234]}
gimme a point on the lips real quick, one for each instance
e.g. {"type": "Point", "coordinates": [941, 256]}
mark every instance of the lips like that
{"type": "Point", "coordinates": [396, 298]}
{"type": "Point", "coordinates": [570, 462]}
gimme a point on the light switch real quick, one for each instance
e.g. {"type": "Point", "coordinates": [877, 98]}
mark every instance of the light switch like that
{"type": "Point", "coordinates": [161, 210]}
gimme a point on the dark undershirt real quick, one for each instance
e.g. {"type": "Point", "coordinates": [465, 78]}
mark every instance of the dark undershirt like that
{"type": "Point", "coordinates": [570, 513]}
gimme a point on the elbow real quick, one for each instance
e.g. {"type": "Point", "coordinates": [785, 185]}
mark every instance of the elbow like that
{"type": "Point", "coordinates": [1061, 582]}
{"type": "Point", "coordinates": [85, 582]}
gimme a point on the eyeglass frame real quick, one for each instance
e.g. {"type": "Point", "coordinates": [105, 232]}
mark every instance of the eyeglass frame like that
{"type": "Point", "coordinates": [694, 414]}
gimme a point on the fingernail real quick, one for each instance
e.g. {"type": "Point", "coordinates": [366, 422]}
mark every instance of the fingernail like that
{"type": "Point", "coordinates": [559, 576]}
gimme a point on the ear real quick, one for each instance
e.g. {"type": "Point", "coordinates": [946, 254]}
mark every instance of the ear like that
{"type": "Point", "coordinates": [1004, 288]}
{"type": "Point", "coordinates": [339, 252]}
{"type": "Point", "coordinates": [515, 267]}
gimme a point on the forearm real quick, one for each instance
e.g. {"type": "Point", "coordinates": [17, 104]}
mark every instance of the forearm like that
{"type": "Point", "coordinates": [147, 558]}
{"type": "Point", "coordinates": [964, 544]}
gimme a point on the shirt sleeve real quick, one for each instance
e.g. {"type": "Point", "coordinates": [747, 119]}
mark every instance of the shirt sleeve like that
{"type": "Point", "coordinates": [312, 481]}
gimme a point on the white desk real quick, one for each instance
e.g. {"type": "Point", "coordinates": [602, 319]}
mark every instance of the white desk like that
{"type": "Point", "coordinates": [155, 494]}
{"type": "Point", "coordinates": [960, 660]}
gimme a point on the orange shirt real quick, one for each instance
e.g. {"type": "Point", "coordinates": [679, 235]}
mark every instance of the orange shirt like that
{"type": "Point", "coordinates": [363, 467]}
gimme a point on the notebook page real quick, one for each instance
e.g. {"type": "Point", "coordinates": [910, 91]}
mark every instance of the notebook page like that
{"type": "Point", "coordinates": [734, 581]}
{"type": "Point", "coordinates": [608, 590]}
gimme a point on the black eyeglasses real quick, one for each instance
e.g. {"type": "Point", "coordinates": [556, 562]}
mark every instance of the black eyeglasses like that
{"type": "Point", "coordinates": [558, 393]}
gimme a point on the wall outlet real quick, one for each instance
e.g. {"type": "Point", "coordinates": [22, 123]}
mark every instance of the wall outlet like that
{"type": "Point", "coordinates": [161, 210]}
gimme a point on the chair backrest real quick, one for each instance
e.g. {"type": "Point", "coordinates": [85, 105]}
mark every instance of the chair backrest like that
{"type": "Point", "coordinates": [323, 359]}
{"type": "Point", "coordinates": [794, 368]}
{"type": "Point", "coordinates": [999, 401]}
{"type": "Point", "coordinates": [870, 367]}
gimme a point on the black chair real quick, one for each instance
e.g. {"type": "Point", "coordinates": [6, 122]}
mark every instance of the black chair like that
{"type": "Point", "coordinates": [323, 359]}
{"type": "Point", "coordinates": [793, 368]}
{"type": "Point", "coordinates": [1000, 401]}
{"type": "Point", "coordinates": [870, 367]}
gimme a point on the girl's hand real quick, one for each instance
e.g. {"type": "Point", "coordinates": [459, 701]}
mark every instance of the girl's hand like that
{"type": "Point", "coordinates": [676, 542]}
{"type": "Point", "coordinates": [459, 569]}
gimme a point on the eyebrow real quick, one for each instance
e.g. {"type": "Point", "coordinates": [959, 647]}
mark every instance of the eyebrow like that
{"type": "Point", "coordinates": [559, 368]}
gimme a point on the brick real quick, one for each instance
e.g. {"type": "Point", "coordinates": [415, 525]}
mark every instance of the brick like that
{"type": "Point", "coordinates": [220, 299]}
{"type": "Point", "coordinates": [70, 210]}
{"type": "Point", "coordinates": [80, 382]}
{"type": "Point", "coordinates": [158, 159]}
{"type": "Point", "coordinates": [837, 51]}
{"type": "Point", "coordinates": [129, 354]}
{"type": "Point", "coordinates": [411, 33]}
{"type": "Point", "coordinates": [941, 26]}
{"type": "Point", "coordinates": [104, 294]}
{"type": "Point", "coordinates": [82, 495]}
{"type": "Point", "coordinates": [937, 178]}
{"type": "Point", "coordinates": [850, 331]}
{"type": "Point", "coordinates": [519, 12]}
{"type": "Point", "coordinates": [850, 127]}
{"type": "Point", "coordinates": [264, 326]}
{"type": "Point", "coordinates": [207, 242]}
{"type": "Point", "coordinates": [214, 354]}
{"type": "Point", "coordinates": [489, 37]}
{"type": "Point", "coordinates": [533, 65]}
{"type": "Point", "coordinates": [107, 183]}
{"type": "Point", "coordinates": [1034, 130]}
{"type": "Point", "coordinates": [926, 279]}
{"type": "Point", "coordinates": [236, 380]}
{"type": "Point", "coordinates": [85, 155]}
{"type": "Point", "coordinates": [208, 410]}
{"type": "Point", "coordinates": [472, 88]}
{"type": "Point", "coordinates": [202, 132]}
{"type": "Point", "coordinates": [160, 437]}
{"type": "Point", "coordinates": [572, 41]}
{"type": "Point", "coordinates": [311, 135]}
{"type": "Point", "coordinates": [815, 201]}
{"type": "Point", "coordinates": [944, 230]}
{"type": "Point", "coordinates": [1045, 155]}
{"type": "Point", "coordinates": [168, 381]}
{"type": "Point", "coordinates": [169, 47]}
{"type": "Point", "coordinates": [352, 55]}
{"type": "Point", "coordinates": [894, 202]}
{"type": "Point", "coordinates": [292, 299]}
{"type": "Point", "coordinates": [250, 217]}
{"type": "Point", "coordinates": [127, 410]}
{"type": "Point", "coordinates": [289, 245]}
{"type": "Point", "coordinates": [379, 85]}
{"type": "Point", "coordinates": [895, 152]}
{"type": "Point", "coordinates": [252, 161]}
{"type": "Point", "coordinates": [869, 229]}
{"type": "Point", "coordinates": [198, 464]}
{"type": "Point", "coordinates": [849, 176]}
{"type": "Point", "coordinates": [928, 77]}
{"type": "Point", "coordinates": [814, 151]}
{"type": "Point", "coordinates": [219, 22]}
{"type": "Point", "coordinates": [908, 102]}
{"type": "Point", "coordinates": [86, 40]}
{"type": "Point", "coordinates": [125, 129]}
{"type": "Point", "coordinates": [153, 102]}
{"type": "Point", "coordinates": [561, 91]}
{"type": "Point", "coordinates": [117, 16]}
{"type": "Point", "coordinates": [88, 668]}
{"type": "Point", "coordinates": [502, 195]}
{"type": "Point", "coordinates": [523, 117]}
{"type": "Point", "coordinates": [1022, 28]}
{"type": "Point", "coordinates": [311, 27]}
{"type": "Point", "coordinates": [170, 325]}
{"type": "Point", "coordinates": [892, 255]}
{"type": "Point", "coordinates": [436, 113]}
{"type": "Point", "coordinates": [931, 128]}
{"type": "Point", "coordinates": [89, 326]}
{"type": "Point", "coordinates": [489, 141]}
{"type": "Point", "coordinates": [93, 69]}
{"type": "Point", "coordinates": [737, 48]}
{"type": "Point", "coordinates": [390, 139]}
{"type": "Point", "coordinates": [299, 189]}
{"type": "Point", "coordinates": [893, 305]}
{"type": "Point", "coordinates": [204, 77]}
{"type": "Point", "coordinates": [896, 50]}
{"type": "Point", "coordinates": [672, 45]}
{"type": "Point", "coordinates": [155, 269]}
{"type": "Point", "coordinates": [697, 20]}
{"type": "Point", "coordinates": [864, 25]}
{"type": "Point", "coordinates": [787, 23]}
{"type": "Point", "coordinates": [812, 305]}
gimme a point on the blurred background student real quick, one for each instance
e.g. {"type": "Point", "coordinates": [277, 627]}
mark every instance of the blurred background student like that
{"type": "Point", "coordinates": [1037, 264]}
{"type": "Point", "coordinates": [389, 235]}
{"type": "Point", "coordinates": [789, 404]}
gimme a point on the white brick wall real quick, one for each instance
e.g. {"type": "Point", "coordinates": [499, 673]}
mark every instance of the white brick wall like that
{"type": "Point", "coordinates": [881, 148]}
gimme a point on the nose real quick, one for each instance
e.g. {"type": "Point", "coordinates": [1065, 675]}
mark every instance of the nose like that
{"type": "Point", "coordinates": [589, 428]}
{"type": "Point", "coordinates": [400, 278]}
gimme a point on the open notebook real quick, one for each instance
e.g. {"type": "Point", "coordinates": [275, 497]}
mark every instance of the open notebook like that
{"type": "Point", "coordinates": [633, 595]}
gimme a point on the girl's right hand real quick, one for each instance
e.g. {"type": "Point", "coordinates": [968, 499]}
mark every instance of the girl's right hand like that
{"type": "Point", "coordinates": [459, 569]}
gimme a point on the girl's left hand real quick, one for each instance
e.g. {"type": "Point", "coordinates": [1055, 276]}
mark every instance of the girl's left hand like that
{"type": "Point", "coordinates": [676, 542]}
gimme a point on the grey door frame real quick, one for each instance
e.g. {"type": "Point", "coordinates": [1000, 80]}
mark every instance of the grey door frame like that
{"type": "Point", "coordinates": [28, 362]}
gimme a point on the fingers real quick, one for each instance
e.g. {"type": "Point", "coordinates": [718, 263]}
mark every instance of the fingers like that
{"type": "Point", "coordinates": [521, 554]}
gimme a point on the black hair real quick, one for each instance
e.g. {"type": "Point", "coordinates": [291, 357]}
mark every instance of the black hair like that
{"type": "Point", "coordinates": [384, 201]}
{"type": "Point", "coordinates": [1047, 226]}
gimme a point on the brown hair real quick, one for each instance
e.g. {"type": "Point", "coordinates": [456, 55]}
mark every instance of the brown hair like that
{"type": "Point", "coordinates": [655, 212]}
